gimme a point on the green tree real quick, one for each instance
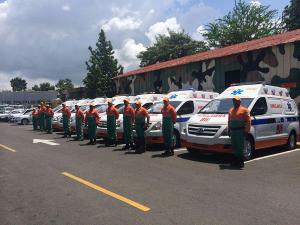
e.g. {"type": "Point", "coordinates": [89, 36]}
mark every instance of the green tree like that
{"type": "Point", "coordinates": [291, 15]}
{"type": "Point", "coordinates": [171, 46]}
{"type": "Point", "coordinates": [46, 86]}
{"type": "Point", "coordinates": [101, 68]}
{"type": "Point", "coordinates": [246, 21]}
{"type": "Point", "coordinates": [62, 86]}
{"type": "Point", "coordinates": [18, 84]}
{"type": "Point", "coordinates": [36, 88]}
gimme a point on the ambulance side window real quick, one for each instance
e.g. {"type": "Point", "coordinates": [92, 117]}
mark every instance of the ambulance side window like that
{"type": "Point", "coordinates": [147, 105]}
{"type": "Point", "coordinates": [186, 108]}
{"type": "Point", "coordinates": [260, 107]}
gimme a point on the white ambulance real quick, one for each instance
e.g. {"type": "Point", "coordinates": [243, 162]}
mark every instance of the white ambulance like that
{"type": "Point", "coordinates": [186, 104]}
{"type": "Point", "coordinates": [146, 100]}
{"type": "Point", "coordinates": [274, 120]}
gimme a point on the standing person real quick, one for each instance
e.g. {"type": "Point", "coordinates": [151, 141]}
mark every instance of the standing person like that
{"type": "Point", "coordinates": [48, 117]}
{"type": "Point", "coordinates": [79, 121]}
{"type": "Point", "coordinates": [38, 118]}
{"type": "Point", "coordinates": [140, 126]}
{"type": "Point", "coordinates": [239, 123]}
{"type": "Point", "coordinates": [35, 118]}
{"type": "Point", "coordinates": [128, 120]}
{"type": "Point", "coordinates": [42, 116]}
{"type": "Point", "coordinates": [91, 121]}
{"type": "Point", "coordinates": [66, 114]}
{"type": "Point", "coordinates": [169, 119]}
{"type": "Point", "coordinates": [112, 116]}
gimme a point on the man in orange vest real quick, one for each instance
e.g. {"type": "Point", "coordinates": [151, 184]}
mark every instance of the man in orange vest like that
{"type": "Point", "coordinates": [112, 116]}
{"type": "Point", "coordinates": [92, 119]}
{"type": "Point", "coordinates": [66, 114]}
{"type": "Point", "coordinates": [42, 116]}
{"type": "Point", "coordinates": [169, 119]}
{"type": "Point", "coordinates": [34, 119]}
{"type": "Point", "coordinates": [48, 117]}
{"type": "Point", "coordinates": [128, 120]}
{"type": "Point", "coordinates": [239, 123]}
{"type": "Point", "coordinates": [140, 126]}
{"type": "Point", "coordinates": [79, 121]}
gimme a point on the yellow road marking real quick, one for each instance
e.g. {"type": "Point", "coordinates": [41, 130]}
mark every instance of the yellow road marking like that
{"type": "Point", "coordinates": [7, 148]}
{"type": "Point", "coordinates": [107, 192]}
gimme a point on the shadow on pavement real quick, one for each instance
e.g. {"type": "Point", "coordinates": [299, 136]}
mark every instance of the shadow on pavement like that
{"type": "Point", "coordinates": [207, 158]}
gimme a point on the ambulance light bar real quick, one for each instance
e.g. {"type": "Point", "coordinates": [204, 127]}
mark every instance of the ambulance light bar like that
{"type": "Point", "coordinates": [248, 83]}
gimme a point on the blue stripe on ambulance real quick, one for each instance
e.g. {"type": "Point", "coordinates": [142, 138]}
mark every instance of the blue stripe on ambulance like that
{"type": "Point", "coordinates": [273, 120]}
{"type": "Point", "coordinates": [182, 120]}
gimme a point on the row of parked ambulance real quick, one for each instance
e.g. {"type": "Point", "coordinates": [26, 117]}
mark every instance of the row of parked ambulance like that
{"type": "Point", "coordinates": [202, 117]}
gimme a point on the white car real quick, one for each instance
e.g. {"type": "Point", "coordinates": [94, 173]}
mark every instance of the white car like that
{"type": "Point", "coordinates": [25, 118]}
{"type": "Point", "coordinates": [274, 120]}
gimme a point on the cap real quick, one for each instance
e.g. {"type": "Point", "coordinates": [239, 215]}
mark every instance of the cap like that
{"type": "Point", "coordinates": [138, 103]}
{"type": "Point", "coordinates": [47, 105]}
{"type": "Point", "coordinates": [166, 99]}
{"type": "Point", "coordinates": [236, 98]}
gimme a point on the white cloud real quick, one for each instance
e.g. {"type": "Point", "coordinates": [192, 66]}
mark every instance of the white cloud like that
{"type": "Point", "coordinates": [3, 10]}
{"type": "Point", "coordinates": [128, 23]}
{"type": "Point", "coordinates": [126, 55]}
{"type": "Point", "coordinates": [66, 8]}
{"type": "Point", "coordinates": [255, 3]}
{"type": "Point", "coordinates": [198, 34]}
{"type": "Point", "coordinates": [162, 28]}
{"type": "Point", "coordinates": [151, 11]}
{"type": "Point", "coordinates": [5, 81]}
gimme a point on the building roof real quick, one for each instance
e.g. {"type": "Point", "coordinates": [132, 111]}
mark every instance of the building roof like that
{"type": "Point", "coordinates": [261, 43]}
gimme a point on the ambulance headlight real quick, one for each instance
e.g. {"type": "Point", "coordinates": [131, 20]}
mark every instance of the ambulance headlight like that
{"type": "Point", "coordinates": [225, 132]}
{"type": "Point", "coordinates": [184, 131]}
{"type": "Point", "coordinates": [55, 119]}
{"type": "Point", "coordinates": [157, 126]}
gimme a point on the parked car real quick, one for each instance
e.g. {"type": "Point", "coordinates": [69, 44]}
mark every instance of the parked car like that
{"type": "Point", "coordinates": [25, 118]}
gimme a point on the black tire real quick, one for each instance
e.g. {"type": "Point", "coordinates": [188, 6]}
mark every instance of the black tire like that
{"type": "Point", "coordinates": [24, 121]}
{"type": "Point", "coordinates": [193, 151]}
{"type": "Point", "coordinates": [249, 148]}
{"type": "Point", "coordinates": [176, 138]}
{"type": "Point", "coordinates": [292, 141]}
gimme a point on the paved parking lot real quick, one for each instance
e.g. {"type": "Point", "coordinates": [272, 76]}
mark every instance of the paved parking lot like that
{"type": "Point", "coordinates": [72, 183]}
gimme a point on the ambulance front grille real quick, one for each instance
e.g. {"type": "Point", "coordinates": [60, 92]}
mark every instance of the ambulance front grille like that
{"type": "Point", "coordinates": [201, 130]}
{"type": "Point", "coordinates": [103, 124]}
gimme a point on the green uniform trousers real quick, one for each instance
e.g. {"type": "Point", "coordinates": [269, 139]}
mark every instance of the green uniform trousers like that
{"type": "Point", "coordinates": [237, 132]}
{"type": "Point", "coordinates": [111, 128]}
{"type": "Point", "coordinates": [79, 130]}
{"type": "Point", "coordinates": [92, 126]}
{"type": "Point", "coordinates": [127, 129]}
{"type": "Point", "coordinates": [66, 125]}
{"type": "Point", "coordinates": [167, 132]}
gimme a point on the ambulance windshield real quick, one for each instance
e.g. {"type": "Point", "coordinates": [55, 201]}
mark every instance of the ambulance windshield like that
{"type": "Point", "coordinates": [156, 107]}
{"type": "Point", "coordinates": [222, 106]}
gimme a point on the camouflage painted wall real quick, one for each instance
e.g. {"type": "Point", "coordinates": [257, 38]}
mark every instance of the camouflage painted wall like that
{"type": "Point", "coordinates": [276, 65]}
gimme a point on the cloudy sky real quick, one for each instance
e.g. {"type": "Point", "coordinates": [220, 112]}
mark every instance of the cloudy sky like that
{"type": "Point", "coordinates": [47, 40]}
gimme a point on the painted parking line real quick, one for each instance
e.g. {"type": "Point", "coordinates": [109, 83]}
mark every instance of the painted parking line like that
{"type": "Point", "coordinates": [107, 192]}
{"type": "Point", "coordinates": [271, 156]}
{"type": "Point", "coordinates": [7, 148]}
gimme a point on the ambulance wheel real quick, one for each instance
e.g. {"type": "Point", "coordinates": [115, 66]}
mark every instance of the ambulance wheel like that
{"type": "Point", "coordinates": [292, 141]}
{"type": "Point", "coordinates": [176, 138]}
{"type": "Point", "coordinates": [249, 148]}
